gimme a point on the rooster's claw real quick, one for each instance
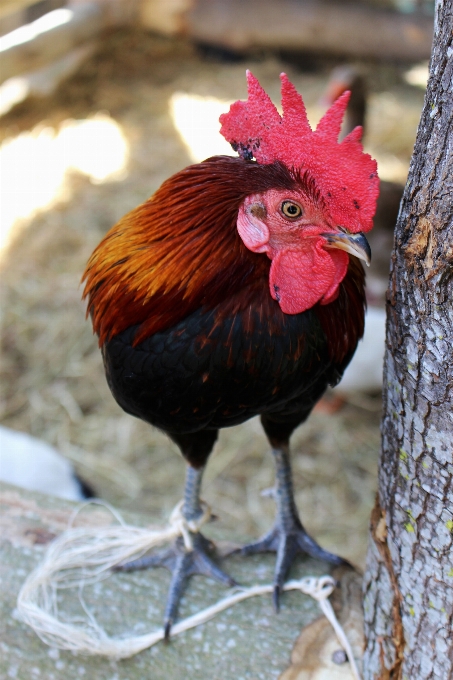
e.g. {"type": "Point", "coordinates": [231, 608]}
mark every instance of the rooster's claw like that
{"type": "Point", "coordinates": [182, 564]}
{"type": "Point", "coordinates": [288, 543]}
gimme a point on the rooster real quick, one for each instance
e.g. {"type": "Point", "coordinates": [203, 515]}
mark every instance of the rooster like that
{"type": "Point", "coordinates": [232, 293]}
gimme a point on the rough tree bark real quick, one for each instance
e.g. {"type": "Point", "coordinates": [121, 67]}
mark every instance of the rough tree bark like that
{"type": "Point", "coordinates": [409, 577]}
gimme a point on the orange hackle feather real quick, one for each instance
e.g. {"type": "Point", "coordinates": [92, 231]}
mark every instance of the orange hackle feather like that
{"type": "Point", "coordinates": [179, 250]}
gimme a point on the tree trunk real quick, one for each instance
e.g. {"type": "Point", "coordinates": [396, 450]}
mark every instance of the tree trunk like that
{"type": "Point", "coordinates": [409, 577]}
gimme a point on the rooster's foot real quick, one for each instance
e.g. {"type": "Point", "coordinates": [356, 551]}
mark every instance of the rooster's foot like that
{"type": "Point", "coordinates": [287, 543]}
{"type": "Point", "coordinates": [182, 564]}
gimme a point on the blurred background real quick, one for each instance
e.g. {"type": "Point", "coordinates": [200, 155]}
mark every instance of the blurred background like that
{"type": "Point", "coordinates": [102, 100]}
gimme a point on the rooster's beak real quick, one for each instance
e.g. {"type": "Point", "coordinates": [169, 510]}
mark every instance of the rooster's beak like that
{"type": "Point", "coordinates": [354, 244]}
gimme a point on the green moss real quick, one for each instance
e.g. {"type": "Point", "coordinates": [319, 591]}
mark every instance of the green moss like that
{"type": "Point", "coordinates": [403, 455]}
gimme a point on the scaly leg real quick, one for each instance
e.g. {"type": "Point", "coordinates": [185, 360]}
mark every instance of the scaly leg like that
{"type": "Point", "coordinates": [183, 563]}
{"type": "Point", "coordinates": [287, 537]}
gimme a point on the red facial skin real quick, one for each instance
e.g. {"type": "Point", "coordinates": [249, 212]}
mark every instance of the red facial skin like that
{"type": "Point", "coordinates": [303, 271]}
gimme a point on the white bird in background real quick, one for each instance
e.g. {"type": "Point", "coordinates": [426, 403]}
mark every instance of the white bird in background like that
{"type": "Point", "coordinates": [364, 373]}
{"type": "Point", "coordinates": [32, 464]}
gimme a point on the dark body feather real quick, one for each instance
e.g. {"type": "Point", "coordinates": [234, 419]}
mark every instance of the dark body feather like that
{"type": "Point", "coordinates": [208, 347]}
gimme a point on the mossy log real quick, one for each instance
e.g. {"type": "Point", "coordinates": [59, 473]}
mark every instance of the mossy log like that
{"type": "Point", "coordinates": [246, 641]}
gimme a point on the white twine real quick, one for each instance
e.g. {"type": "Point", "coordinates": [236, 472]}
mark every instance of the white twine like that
{"type": "Point", "coordinates": [86, 555]}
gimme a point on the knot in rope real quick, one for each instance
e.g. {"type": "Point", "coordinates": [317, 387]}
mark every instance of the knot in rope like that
{"type": "Point", "coordinates": [318, 588]}
{"type": "Point", "coordinates": [185, 527]}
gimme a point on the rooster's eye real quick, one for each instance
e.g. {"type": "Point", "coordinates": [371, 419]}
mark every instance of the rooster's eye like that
{"type": "Point", "coordinates": [291, 210]}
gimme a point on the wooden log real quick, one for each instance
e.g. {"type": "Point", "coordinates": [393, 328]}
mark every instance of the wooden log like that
{"type": "Point", "coordinates": [347, 30]}
{"type": "Point", "coordinates": [49, 38]}
{"type": "Point", "coordinates": [249, 640]}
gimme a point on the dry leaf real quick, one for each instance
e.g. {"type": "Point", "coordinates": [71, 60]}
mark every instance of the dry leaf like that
{"type": "Point", "coordinates": [317, 646]}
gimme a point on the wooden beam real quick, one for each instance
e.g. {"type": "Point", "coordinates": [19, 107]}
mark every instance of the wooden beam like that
{"type": "Point", "coordinates": [346, 30]}
{"type": "Point", "coordinates": [341, 29]}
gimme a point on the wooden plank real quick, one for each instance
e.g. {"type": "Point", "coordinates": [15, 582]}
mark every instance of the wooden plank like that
{"type": "Point", "coordinates": [346, 30]}
{"type": "Point", "coordinates": [341, 29]}
{"type": "Point", "coordinates": [79, 24]}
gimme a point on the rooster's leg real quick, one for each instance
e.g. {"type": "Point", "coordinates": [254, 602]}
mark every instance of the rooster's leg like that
{"type": "Point", "coordinates": [287, 537]}
{"type": "Point", "coordinates": [181, 562]}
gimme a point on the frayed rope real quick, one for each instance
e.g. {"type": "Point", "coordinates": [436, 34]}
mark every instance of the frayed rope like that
{"type": "Point", "coordinates": [85, 555]}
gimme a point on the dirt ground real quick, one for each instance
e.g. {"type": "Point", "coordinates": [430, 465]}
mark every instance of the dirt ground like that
{"type": "Point", "coordinates": [53, 383]}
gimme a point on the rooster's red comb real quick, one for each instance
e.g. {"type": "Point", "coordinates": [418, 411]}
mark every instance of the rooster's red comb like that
{"type": "Point", "coordinates": [345, 176]}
